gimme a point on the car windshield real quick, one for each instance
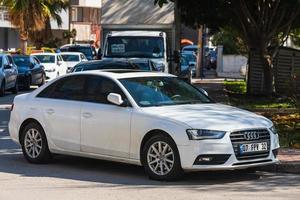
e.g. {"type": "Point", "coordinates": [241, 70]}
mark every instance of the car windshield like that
{"type": "Point", "coordinates": [138, 47]}
{"type": "Point", "coordinates": [46, 58]}
{"type": "Point", "coordinates": [70, 58]}
{"type": "Point", "coordinates": [161, 91]}
{"type": "Point", "coordinates": [21, 61]}
{"type": "Point", "coordinates": [87, 51]}
{"type": "Point", "coordinates": [190, 57]}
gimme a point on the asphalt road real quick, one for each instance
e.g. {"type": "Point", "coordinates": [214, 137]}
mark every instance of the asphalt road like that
{"type": "Point", "coordinates": [72, 178]}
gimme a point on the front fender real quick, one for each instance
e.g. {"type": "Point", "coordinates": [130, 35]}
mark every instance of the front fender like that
{"type": "Point", "coordinates": [142, 123]}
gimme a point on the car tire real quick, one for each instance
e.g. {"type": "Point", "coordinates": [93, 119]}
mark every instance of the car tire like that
{"type": "Point", "coordinates": [43, 80]}
{"type": "Point", "coordinates": [34, 144]}
{"type": "Point", "coordinates": [2, 89]}
{"type": "Point", "coordinates": [15, 89]}
{"type": "Point", "coordinates": [162, 164]}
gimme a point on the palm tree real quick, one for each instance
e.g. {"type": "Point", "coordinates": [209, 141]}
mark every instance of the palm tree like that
{"type": "Point", "coordinates": [31, 16]}
{"type": "Point", "coordinates": [55, 7]}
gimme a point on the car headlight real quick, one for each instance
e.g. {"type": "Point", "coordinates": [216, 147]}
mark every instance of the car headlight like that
{"type": "Point", "coordinates": [273, 130]}
{"type": "Point", "coordinates": [201, 134]}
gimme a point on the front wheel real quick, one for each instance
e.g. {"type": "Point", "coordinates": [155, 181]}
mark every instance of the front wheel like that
{"type": "Point", "coordinates": [161, 160]}
{"type": "Point", "coordinates": [15, 89]}
{"type": "Point", "coordinates": [34, 144]}
{"type": "Point", "coordinates": [43, 80]}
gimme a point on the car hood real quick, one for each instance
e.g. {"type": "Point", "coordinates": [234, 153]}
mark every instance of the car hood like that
{"type": "Point", "coordinates": [210, 116]}
{"type": "Point", "coordinates": [72, 64]}
{"type": "Point", "coordinates": [23, 69]}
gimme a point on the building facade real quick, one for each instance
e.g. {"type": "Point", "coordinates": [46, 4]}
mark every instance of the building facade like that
{"type": "Point", "coordinates": [85, 18]}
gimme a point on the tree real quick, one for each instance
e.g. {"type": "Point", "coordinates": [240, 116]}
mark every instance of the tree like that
{"type": "Point", "coordinates": [45, 36]}
{"type": "Point", "coordinates": [30, 16]}
{"type": "Point", "coordinates": [260, 23]}
{"type": "Point", "coordinates": [231, 41]}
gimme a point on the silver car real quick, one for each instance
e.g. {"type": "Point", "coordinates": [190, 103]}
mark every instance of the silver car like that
{"type": "Point", "coordinates": [8, 74]}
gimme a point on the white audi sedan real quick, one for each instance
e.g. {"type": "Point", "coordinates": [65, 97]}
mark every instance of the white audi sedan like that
{"type": "Point", "coordinates": [143, 118]}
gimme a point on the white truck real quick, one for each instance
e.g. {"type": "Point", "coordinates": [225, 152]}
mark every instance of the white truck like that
{"type": "Point", "coordinates": [150, 45]}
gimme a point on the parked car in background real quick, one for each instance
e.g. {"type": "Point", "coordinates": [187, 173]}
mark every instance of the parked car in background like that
{"type": "Point", "coordinates": [87, 49]}
{"type": "Point", "coordinates": [30, 71]}
{"type": "Point", "coordinates": [8, 74]}
{"type": "Point", "coordinates": [136, 64]}
{"type": "Point", "coordinates": [190, 48]}
{"type": "Point", "coordinates": [53, 63]}
{"type": "Point", "coordinates": [137, 44]}
{"type": "Point", "coordinates": [187, 69]}
{"type": "Point", "coordinates": [72, 59]}
{"type": "Point", "coordinates": [142, 118]}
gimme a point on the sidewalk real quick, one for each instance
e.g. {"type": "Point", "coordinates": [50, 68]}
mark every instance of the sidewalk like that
{"type": "Point", "coordinates": [289, 158]}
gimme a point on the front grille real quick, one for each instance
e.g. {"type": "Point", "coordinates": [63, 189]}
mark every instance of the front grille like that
{"type": "Point", "coordinates": [238, 138]}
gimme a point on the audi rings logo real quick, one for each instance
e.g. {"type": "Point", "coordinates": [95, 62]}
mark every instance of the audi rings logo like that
{"type": "Point", "coordinates": [251, 135]}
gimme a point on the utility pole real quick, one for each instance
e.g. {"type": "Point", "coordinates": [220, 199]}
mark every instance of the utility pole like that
{"type": "Point", "coordinates": [199, 52]}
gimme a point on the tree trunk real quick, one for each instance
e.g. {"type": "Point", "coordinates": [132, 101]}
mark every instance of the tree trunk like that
{"type": "Point", "coordinates": [268, 72]}
{"type": "Point", "coordinates": [23, 45]}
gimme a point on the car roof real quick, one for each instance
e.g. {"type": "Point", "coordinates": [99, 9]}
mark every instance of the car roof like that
{"type": "Point", "coordinates": [190, 46]}
{"type": "Point", "coordinates": [70, 53]}
{"type": "Point", "coordinates": [75, 45]}
{"type": "Point", "coordinates": [120, 74]}
{"type": "Point", "coordinates": [136, 33]}
{"type": "Point", "coordinates": [50, 54]}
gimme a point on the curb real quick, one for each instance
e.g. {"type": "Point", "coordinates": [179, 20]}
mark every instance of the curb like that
{"type": "Point", "coordinates": [283, 167]}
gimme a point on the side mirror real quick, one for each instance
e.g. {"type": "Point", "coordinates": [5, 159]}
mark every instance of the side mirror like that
{"type": "Point", "coordinates": [7, 66]}
{"type": "Point", "coordinates": [31, 65]}
{"type": "Point", "coordinates": [59, 63]}
{"type": "Point", "coordinates": [115, 99]}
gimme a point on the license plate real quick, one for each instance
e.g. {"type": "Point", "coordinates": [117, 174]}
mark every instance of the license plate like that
{"type": "Point", "coordinates": [253, 147]}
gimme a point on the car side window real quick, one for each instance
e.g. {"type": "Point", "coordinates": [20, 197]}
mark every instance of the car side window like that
{"type": "Point", "coordinates": [68, 88]}
{"type": "Point", "coordinates": [10, 60]}
{"type": "Point", "coordinates": [36, 61]}
{"type": "Point", "coordinates": [98, 88]}
{"type": "Point", "coordinates": [5, 61]}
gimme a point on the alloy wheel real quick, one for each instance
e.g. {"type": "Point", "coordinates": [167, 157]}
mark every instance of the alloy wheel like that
{"type": "Point", "coordinates": [33, 143]}
{"type": "Point", "coordinates": [160, 158]}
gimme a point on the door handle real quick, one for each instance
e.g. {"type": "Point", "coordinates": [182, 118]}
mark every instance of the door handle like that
{"type": "Point", "coordinates": [87, 115]}
{"type": "Point", "coordinates": [50, 111]}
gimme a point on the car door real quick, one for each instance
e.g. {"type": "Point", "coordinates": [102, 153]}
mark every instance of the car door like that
{"type": "Point", "coordinates": [13, 71]}
{"type": "Point", "coordinates": [7, 73]}
{"type": "Point", "coordinates": [61, 106]}
{"type": "Point", "coordinates": [105, 128]}
{"type": "Point", "coordinates": [38, 71]}
{"type": "Point", "coordinates": [34, 71]}
{"type": "Point", "coordinates": [62, 66]}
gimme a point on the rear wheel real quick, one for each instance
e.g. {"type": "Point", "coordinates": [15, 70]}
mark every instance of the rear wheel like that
{"type": "Point", "coordinates": [34, 144]}
{"type": "Point", "coordinates": [2, 89]}
{"type": "Point", "coordinates": [161, 160]}
{"type": "Point", "coordinates": [43, 80]}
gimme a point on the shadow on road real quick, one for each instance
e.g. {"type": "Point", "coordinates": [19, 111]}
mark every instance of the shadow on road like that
{"type": "Point", "coordinates": [129, 176]}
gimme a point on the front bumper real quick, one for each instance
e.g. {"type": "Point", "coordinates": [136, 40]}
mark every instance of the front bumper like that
{"type": "Point", "coordinates": [22, 80]}
{"type": "Point", "coordinates": [51, 75]}
{"type": "Point", "coordinates": [225, 157]}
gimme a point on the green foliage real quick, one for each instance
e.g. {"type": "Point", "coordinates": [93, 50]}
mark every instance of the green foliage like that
{"type": "Point", "coordinates": [230, 40]}
{"type": "Point", "coordinates": [236, 87]}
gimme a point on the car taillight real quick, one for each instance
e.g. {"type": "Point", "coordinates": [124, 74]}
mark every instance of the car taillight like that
{"type": "Point", "coordinates": [12, 107]}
